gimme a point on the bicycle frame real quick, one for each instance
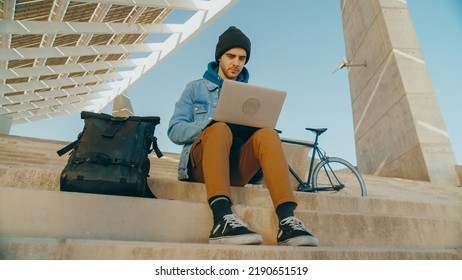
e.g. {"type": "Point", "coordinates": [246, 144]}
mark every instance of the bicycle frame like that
{"type": "Point", "coordinates": [307, 186]}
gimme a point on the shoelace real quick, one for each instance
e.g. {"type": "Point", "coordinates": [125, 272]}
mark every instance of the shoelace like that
{"type": "Point", "coordinates": [233, 221]}
{"type": "Point", "coordinates": [294, 223]}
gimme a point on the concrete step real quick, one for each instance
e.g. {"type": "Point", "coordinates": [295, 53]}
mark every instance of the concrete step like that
{"type": "Point", "coordinates": [27, 177]}
{"type": "Point", "coordinates": [399, 219]}
{"type": "Point", "coordinates": [20, 143]}
{"type": "Point", "coordinates": [50, 214]}
{"type": "Point", "coordinates": [41, 153]}
{"type": "Point", "coordinates": [31, 153]}
{"type": "Point", "coordinates": [391, 188]}
{"type": "Point", "coordinates": [251, 195]}
{"type": "Point", "coordinates": [20, 248]}
{"type": "Point", "coordinates": [255, 195]}
{"type": "Point", "coordinates": [45, 175]}
{"type": "Point", "coordinates": [14, 159]}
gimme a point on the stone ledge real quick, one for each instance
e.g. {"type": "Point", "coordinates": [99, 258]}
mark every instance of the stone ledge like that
{"type": "Point", "coordinates": [459, 174]}
{"type": "Point", "coordinates": [14, 248]}
{"type": "Point", "coordinates": [50, 214]}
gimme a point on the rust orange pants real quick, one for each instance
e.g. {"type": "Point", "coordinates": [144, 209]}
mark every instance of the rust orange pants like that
{"type": "Point", "coordinates": [212, 161]}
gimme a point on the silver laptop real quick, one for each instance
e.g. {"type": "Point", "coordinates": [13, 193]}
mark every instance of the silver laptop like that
{"type": "Point", "coordinates": [249, 105]}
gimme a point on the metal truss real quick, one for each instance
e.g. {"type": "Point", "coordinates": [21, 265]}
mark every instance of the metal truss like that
{"type": "Point", "coordinates": [59, 57]}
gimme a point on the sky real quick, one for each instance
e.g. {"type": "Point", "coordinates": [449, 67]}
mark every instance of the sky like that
{"type": "Point", "coordinates": [296, 46]}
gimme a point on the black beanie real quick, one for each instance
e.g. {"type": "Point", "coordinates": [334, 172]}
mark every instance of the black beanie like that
{"type": "Point", "coordinates": [232, 38]}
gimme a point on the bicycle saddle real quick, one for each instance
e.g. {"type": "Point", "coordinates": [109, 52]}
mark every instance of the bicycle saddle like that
{"type": "Point", "coordinates": [318, 131]}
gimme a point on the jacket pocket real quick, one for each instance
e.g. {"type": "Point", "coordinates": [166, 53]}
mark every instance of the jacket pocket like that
{"type": "Point", "coordinates": [200, 111]}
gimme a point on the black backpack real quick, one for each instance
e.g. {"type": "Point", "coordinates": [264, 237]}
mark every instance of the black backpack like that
{"type": "Point", "coordinates": [110, 156]}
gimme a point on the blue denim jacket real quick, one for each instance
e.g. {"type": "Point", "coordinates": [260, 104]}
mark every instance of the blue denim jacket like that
{"type": "Point", "coordinates": [194, 110]}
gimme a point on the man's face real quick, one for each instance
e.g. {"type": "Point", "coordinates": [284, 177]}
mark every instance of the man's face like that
{"type": "Point", "coordinates": [231, 63]}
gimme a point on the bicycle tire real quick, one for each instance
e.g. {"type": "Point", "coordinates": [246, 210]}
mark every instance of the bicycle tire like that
{"type": "Point", "coordinates": [344, 172]}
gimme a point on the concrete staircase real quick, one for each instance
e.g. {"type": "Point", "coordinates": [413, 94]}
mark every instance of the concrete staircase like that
{"type": "Point", "coordinates": [399, 219]}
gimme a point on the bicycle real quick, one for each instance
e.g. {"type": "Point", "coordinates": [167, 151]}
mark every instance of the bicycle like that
{"type": "Point", "coordinates": [330, 173]}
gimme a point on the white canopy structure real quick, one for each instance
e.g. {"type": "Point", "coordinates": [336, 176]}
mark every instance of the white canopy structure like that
{"type": "Point", "coordinates": [59, 57]}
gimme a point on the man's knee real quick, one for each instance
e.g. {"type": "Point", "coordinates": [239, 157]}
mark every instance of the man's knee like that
{"type": "Point", "coordinates": [219, 127]}
{"type": "Point", "coordinates": [267, 133]}
{"type": "Point", "coordinates": [267, 139]}
{"type": "Point", "coordinates": [220, 130]}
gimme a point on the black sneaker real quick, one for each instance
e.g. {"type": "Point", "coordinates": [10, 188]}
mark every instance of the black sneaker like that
{"type": "Point", "coordinates": [292, 232]}
{"type": "Point", "coordinates": [233, 231]}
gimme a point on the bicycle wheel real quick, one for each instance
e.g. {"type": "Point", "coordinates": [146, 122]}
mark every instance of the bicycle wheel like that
{"type": "Point", "coordinates": [338, 174]}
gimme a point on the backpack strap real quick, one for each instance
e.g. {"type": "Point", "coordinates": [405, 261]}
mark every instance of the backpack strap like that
{"type": "Point", "coordinates": [67, 148]}
{"type": "Point", "coordinates": [155, 147]}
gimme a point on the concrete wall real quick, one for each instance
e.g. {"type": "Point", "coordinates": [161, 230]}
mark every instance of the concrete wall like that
{"type": "Point", "coordinates": [5, 124]}
{"type": "Point", "coordinates": [399, 130]}
{"type": "Point", "coordinates": [122, 106]}
{"type": "Point", "coordinates": [459, 173]}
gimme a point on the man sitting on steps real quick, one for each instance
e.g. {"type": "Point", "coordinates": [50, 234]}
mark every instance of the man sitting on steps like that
{"type": "Point", "coordinates": [213, 155]}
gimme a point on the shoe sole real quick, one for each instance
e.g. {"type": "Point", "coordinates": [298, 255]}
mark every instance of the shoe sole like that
{"type": "Point", "coordinates": [303, 240]}
{"type": "Point", "coordinates": [243, 239]}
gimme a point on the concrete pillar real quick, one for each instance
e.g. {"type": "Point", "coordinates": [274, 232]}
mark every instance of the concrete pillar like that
{"type": "Point", "coordinates": [399, 130]}
{"type": "Point", "coordinates": [122, 106]}
{"type": "Point", "coordinates": [5, 124]}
